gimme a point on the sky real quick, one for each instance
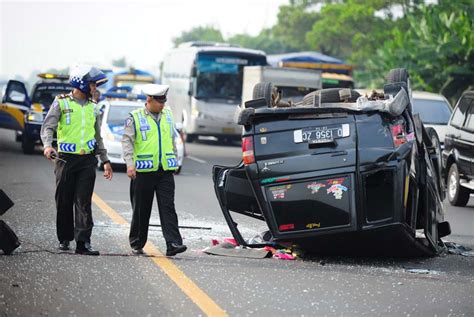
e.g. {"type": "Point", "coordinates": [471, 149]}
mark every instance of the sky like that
{"type": "Point", "coordinates": [42, 34]}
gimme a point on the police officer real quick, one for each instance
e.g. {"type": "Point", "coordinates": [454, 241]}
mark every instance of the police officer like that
{"type": "Point", "coordinates": [75, 119]}
{"type": "Point", "coordinates": [150, 154]}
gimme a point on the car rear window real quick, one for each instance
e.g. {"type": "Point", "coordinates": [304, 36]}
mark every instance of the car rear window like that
{"type": "Point", "coordinates": [432, 111]}
{"type": "Point", "coordinates": [45, 93]}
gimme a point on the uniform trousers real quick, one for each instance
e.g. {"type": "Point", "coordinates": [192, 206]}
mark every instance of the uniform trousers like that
{"type": "Point", "coordinates": [75, 181]}
{"type": "Point", "coordinates": [142, 192]}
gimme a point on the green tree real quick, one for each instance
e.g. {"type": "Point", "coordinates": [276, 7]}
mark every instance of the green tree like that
{"type": "Point", "coordinates": [265, 41]}
{"type": "Point", "coordinates": [351, 29]}
{"type": "Point", "coordinates": [294, 22]}
{"type": "Point", "coordinates": [437, 49]}
{"type": "Point", "coordinates": [200, 33]}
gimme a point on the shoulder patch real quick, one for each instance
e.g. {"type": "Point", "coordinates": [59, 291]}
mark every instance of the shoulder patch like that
{"type": "Point", "coordinates": [62, 96]}
{"type": "Point", "coordinates": [129, 121]}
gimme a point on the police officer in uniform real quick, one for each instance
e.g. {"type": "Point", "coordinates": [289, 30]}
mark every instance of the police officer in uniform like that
{"type": "Point", "coordinates": [75, 119]}
{"type": "Point", "coordinates": [150, 154]}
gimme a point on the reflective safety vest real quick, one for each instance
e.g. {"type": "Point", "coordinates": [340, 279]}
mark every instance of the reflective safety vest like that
{"type": "Point", "coordinates": [154, 142]}
{"type": "Point", "coordinates": [76, 127]}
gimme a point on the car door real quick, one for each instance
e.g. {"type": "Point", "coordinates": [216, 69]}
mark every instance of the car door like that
{"type": "Point", "coordinates": [456, 136]}
{"type": "Point", "coordinates": [467, 134]}
{"type": "Point", "coordinates": [15, 103]}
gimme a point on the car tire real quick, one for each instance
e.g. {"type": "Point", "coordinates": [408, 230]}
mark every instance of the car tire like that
{"type": "Point", "coordinates": [457, 195]}
{"type": "Point", "coordinates": [27, 145]}
{"type": "Point", "coordinates": [311, 99]}
{"type": "Point", "coordinates": [263, 90]}
{"type": "Point", "coordinates": [397, 75]}
{"type": "Point", "coordinates": [436, 160]}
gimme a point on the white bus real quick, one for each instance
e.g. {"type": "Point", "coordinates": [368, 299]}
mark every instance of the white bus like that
{"type": "Point", "coordinates": [206, 86]}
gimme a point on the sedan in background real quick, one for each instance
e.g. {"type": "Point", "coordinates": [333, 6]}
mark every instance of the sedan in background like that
{"type": "Point", "coordinates": [434, 111]}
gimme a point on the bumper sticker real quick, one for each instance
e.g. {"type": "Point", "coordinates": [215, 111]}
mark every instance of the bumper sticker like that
{"type": "Point", "coordinates": [337, 189]}
{"type": "Point", "coordinates": [315, 187]}
{"type": "Point", "coordinates": [279, 192]}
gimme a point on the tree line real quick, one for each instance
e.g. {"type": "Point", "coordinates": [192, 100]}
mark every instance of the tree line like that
{"type": "Point", "coordinates": [434, 41]}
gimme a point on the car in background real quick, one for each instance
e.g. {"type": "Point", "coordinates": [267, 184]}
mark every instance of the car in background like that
{"type": "Point", "coordinates": [458, 153]}
{"type": "Point", "coordinates": [435, 111]}
{"type": "Point", "coordinates": [25, 113]}
{"type": "Point", "coordinates": [115, 108]}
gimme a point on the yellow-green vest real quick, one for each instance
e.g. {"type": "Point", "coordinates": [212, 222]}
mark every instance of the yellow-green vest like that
{"type": "Point", "coordinates": [154, 141]}
{"type": "Point", "coordinates": [76, 127]}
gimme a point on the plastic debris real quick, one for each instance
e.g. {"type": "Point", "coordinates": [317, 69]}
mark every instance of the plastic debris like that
{"type": "Point", "coordinates": [228, 249]}
{"type": "Point", "coordinates": [454, 248]}
{"type": "Point", "coordinates": [283, 256]}
{"type": "Point", "coordinates": [231, 241]}
{"type": "Point", "coordinates": [418, 271]}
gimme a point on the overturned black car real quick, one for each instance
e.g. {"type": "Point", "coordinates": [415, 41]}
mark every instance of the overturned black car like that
{"type": "Point", "coordinates": [338, 173]}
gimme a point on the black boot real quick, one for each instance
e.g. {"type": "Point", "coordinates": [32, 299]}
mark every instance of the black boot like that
{"type": "Point", "coordinates": [174, 248]}
{"type": "Point", "coordinates": [85, 248]}
{"type": "Point", "coordinates": [64, 245]}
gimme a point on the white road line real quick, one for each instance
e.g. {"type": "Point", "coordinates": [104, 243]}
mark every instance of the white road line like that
{"type": "Point", "coordinates": [196, 159]}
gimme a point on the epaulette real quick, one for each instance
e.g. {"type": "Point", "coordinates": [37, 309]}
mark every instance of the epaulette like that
{"type": "Point", "coordinates": [62, 96]}
{"type": "Point", "coordinates": [93, 101]}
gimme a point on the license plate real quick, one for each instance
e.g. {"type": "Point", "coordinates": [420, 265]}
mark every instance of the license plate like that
{"type": "Point", "coordinates": [228, 130]}
{"type": "Point", "coordinates": [322, 134]}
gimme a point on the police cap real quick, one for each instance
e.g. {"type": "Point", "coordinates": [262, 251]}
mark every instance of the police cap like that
{"type": "Point", "coordinates": [158, 92]}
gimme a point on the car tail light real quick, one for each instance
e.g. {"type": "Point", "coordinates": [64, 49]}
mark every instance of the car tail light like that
{"type": "Point", "coordinates": [287, 226]}
{"type": "Point", "coordinates": [247, 150]}
{"type": "Point", "coordinates": [398, 134]}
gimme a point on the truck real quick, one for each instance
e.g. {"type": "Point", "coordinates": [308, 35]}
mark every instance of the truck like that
{"type": "Point", "coordinates": [293, 83]}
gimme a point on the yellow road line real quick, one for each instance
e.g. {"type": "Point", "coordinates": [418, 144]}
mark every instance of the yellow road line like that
{"type": "Point", "coordinates": [198, 296]}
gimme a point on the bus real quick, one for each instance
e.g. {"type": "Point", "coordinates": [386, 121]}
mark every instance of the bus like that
{"type": "Point", "coordinates": [205, 82]}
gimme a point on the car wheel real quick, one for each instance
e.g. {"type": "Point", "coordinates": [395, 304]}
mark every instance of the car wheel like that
{"type": "Point", "coordinates": [263, 90]}
{"type": "Point", "coordinates": [327, 96]}
{"type": "Point", "coordinates": [397, 75]}
{"type": "Point", "coordinates": [27, 145]}
{"type": "Point", "coordinates": [457, 195]}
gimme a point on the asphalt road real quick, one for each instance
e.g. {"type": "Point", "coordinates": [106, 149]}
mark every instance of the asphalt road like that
{"type": "Point", "coordinates": [36, 280]}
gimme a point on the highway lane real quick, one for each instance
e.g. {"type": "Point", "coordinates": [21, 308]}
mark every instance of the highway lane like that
{"type": "Point", "coordinates": [50, 284]}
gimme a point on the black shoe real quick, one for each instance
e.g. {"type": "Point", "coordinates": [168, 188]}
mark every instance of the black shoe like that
{"type": "Point", "coordinates": [64, 245]}
{"type": "Point", "coordinates": [138, 251]}
{"type": "Point", "coordinates": [85, 248]}
{"type": "Point", "coordinates": [174, 248]}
